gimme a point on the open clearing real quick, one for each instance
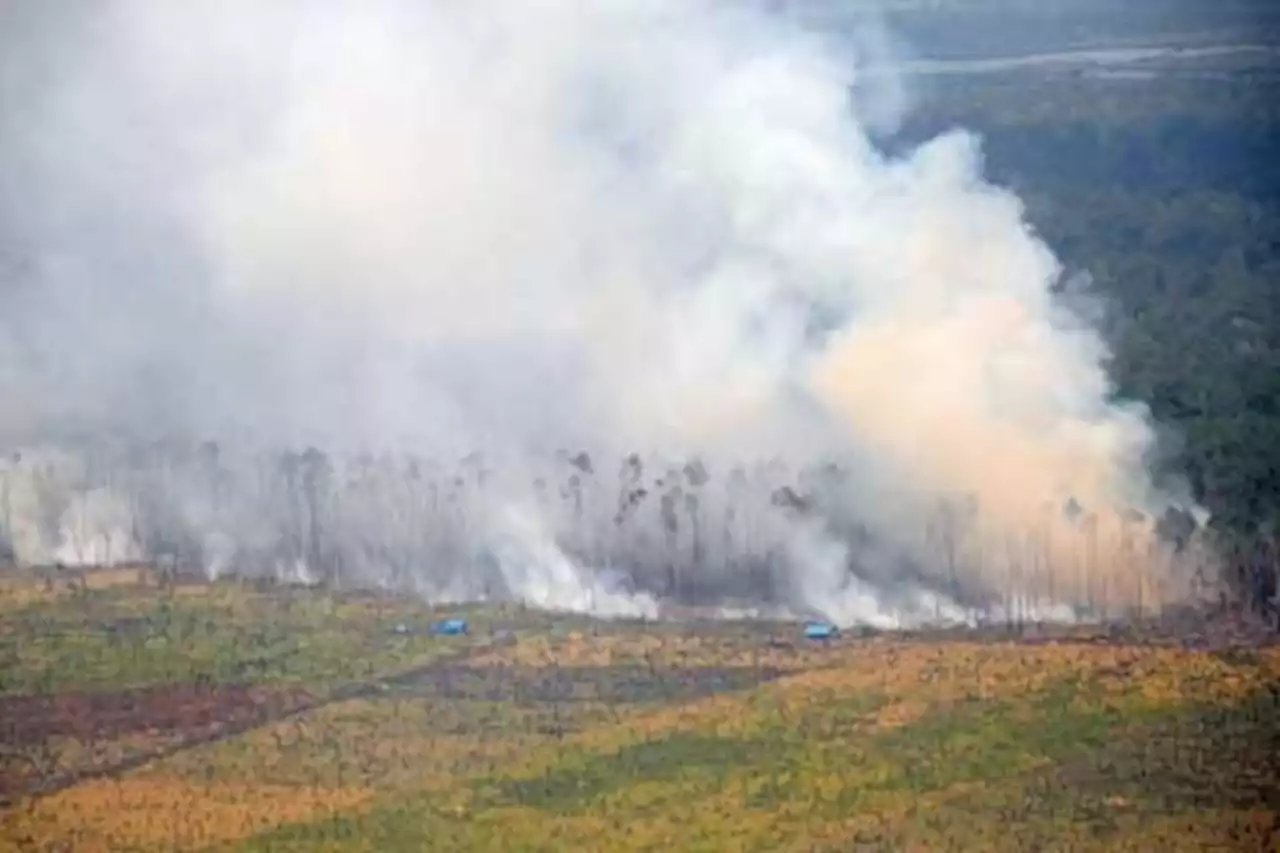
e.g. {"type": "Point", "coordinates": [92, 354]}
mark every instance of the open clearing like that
{"type": "Point", "coordinates": [229, 717]}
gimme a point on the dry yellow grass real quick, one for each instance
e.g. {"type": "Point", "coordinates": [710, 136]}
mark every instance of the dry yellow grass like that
{"type": "Point", "coordinates": [386, 744]}
{"type": "Point", "coordinates": [166, 813]}
{"type": "Point", "coordinates": [18, 592]}
{"type": "Point", "coordinates": [25, 590]}
{"type": "Point", "coordinates": [62, 754]}
{"type": "Point", "coordinates": [667, 649]}
{"type": "Point", "coordinates": [14, 595]}
{"type": "Point", "coordinates": [117, 577]}
{"type": "Point", "coordinates": [899, 713]}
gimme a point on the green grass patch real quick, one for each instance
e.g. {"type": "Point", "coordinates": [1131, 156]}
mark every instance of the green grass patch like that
{"type": "Point", "coordinates": [586, 778]}
{"type": "Point", "coordinates": [116, 640]}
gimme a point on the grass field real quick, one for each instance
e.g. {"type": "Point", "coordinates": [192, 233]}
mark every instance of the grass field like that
{"type": "Point", "coordinates": [229, 717]}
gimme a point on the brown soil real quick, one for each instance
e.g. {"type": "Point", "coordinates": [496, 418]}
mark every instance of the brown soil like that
{"type": "Point", "coordinates": [172, 708]}
{"type": "Point", "coordinates": [121, 729]}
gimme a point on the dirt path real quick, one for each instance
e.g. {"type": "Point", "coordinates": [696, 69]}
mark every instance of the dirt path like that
{"type": "Point", "coordinates": [216, 714]}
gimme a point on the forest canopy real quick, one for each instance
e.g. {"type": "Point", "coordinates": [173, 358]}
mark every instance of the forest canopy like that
{"type": "Point", "coordinates": [1163, 188]}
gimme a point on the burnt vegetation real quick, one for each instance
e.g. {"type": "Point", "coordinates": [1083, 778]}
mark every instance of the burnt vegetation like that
{"type": "Point", "coordinates": [684, 532]}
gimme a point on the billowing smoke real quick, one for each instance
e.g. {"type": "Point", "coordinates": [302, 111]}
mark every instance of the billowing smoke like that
{"type": "Point", "coordinates": [599, 306]}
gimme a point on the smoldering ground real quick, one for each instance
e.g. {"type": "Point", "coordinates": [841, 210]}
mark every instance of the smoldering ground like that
{"type": "Point", "coordinates": [804, 373]}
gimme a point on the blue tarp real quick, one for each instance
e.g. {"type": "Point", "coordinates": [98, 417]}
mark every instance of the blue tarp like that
{"type": "Point", "coordinates": [819, 631]}
{"type": "Point", "coordinates": [450, 627]}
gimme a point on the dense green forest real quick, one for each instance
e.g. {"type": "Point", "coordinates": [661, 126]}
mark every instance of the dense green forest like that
{"type": "Point", "coordinates": [1164, 187]}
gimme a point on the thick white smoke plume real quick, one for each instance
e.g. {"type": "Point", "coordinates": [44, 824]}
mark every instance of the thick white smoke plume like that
{"type": "Point", "coordinates": [400, 232]}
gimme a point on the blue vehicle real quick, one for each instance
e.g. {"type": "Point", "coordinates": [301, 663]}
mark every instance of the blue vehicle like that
{"type": "Point", "coordinates": [820, 631]}
{"type": "Point", "coordinates": [450, 627]}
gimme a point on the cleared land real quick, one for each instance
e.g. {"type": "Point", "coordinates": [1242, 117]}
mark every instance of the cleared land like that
{"type": "Point", "coordinates": [135, 716]}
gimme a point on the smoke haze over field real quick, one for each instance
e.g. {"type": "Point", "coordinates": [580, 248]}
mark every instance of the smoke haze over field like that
{"type": "Point", "coordinates": [434, 228]}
